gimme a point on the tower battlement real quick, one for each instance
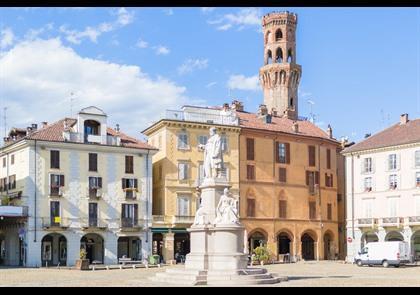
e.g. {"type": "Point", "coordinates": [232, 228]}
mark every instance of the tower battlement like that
{"type": "Point", "coordinates": [279, 18]}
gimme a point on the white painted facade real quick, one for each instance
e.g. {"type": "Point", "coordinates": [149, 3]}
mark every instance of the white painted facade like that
{"type": "Point", "coordinates": [107, 241]}
{"type": "Point", "coordinates": [376, 208]}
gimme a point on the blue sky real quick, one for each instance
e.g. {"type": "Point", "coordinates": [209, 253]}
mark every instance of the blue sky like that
{"type": "Point", "coordinates": [361, 66]}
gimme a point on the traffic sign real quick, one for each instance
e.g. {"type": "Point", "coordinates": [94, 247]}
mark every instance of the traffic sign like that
{"type": "Point", "coordinates": [349, 239]}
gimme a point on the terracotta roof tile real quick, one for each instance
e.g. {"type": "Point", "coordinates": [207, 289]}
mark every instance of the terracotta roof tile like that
{"type": "Point", "coordinates": [395, 135]}
{"type": "Point", "coordinates": [281, 124]}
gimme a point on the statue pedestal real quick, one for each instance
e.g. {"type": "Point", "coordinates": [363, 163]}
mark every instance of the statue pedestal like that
{"type": "Point", "coordinates": [217, 251]}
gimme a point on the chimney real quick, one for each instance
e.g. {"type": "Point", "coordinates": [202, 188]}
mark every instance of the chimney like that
{"type": "Point", "coordinates": [44, 124]}
{"type": "Point", "coordinates": [274, 112]}
{"type": "Point", "coordinates": [117, 128]}
{"type": "Point", "coordinates": [367, 135]}
{"type": "Point", "coordinates": [226, 107]}
{"type": "Point", "coordinates": [404, 119]}
{"type": "Point", "coordinates": [295, 127]}
{"type": "Point", "coordinates": [237, 106]}
{"type": "Point", "coordinates": [329, 131]}
{"type": "Point", "coordinates": [262, 110]}
{"type": "Point", "coordinates": [28, 131]}
{"type": "Point", "coordinates": [34, 127]}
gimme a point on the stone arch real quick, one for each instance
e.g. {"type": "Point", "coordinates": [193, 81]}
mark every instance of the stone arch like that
{"type": "Point", "coordinates": [282, 77]}
{"type": "Point", "coordinates": [257, 237]}
{"type": "Point", "coordinates": [394, 236]}
{"type": "Point", "coordinates": [285, 241]}
{"type": "Point", "coordinates": [329, 250]}
{"type": "Point", "coordinates": [279, 55]}
{"type": "Point", "coordinates": [290, 56]}
{"type": "Point", "coordinates": [415, 245]}
{"type": "Point", "coordinates": [54, 249]}
{"type": "Point", "coordinates": [94, 244]}
{"type": "Point", "coordinates": [368, 237]}
{"type": "Point", "coordinates": [269, 58]}
{"type": "Point", "coordinates": [308, 239]}
{"type": "Point", "coordinates": [279, 35]}
{"type": "Point", "coordinates": [267, 37]}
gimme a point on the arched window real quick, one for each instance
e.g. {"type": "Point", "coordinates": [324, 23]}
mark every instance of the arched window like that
{"type": "Point", "coordinates": [269, 57]}
{"type": "Point", "coordinates": [289, 56]}
{"type": "Point", "coordinates": [279, 55]}
{"type": "Point", "coordinates": [291, 102]}
{"type": "Point", "coordinates": [282, 77]}
{"type": "Point", "coordinates": [279, 35]}
{"type": "Point", "coordinates": [267, 37]}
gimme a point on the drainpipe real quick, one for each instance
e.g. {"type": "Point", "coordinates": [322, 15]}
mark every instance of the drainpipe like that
{"type": "Point", "coordinates": [352, 195]}
{"type": "Point", "coordinates": [35, 194]}
{"type": "Point", "coordinates": [319, 197]}
{"type": "Point", "coordinates": [147, 196]}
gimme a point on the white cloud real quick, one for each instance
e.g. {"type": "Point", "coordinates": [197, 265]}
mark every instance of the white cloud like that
{"type": "Point", "coordinates": [142, 44]}
{"type": "Point", "coordinates": [38, 76]}
{"type": "Point", "coordinates": [161, 50]}
{"type": "Point", "coordinates": [192, 64]}
{"type": "Point", "coordinates": [211, 84]}
{"type": "Point", "coordinates": [246, 17]}
{"type": "Point", "coordinates": [207, 9]}
{"type": "Point", "coordinates": [241, 82]}
{"type": "Point", "coordinates": [32, 34]}
{"type": "Point", "coordinates": [168, 11]}
{"type": "Point", "coordinates": [6, 38]}
{"type": "Point", "coordinates": [124, 17]}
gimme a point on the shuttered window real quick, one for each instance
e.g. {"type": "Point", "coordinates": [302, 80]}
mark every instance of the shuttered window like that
{"type": "Point", "coordinates": [328, 159]}
{"type": "Point", "coordinates": [12, 181]}
{"type": "Point", "coordinates": [250, 212]}
{"type": "Point", "coordinates": [183, 169]}
{"type": "Point", "coordinates": [282, 174]}
{"type": "Point", "coordinates": [329, 211]}
{"type": "Point", "coordinates": [329, 180]}
{"type": "Point", "coordinates": [93, 162]}
{"type": "Point", "coordinates": [250, 149]}
{"type": "Point", "coordinates": [56, 181]}
{"type": "Point", "coordinates": [312, 210]}
{"type": "Point", "coordinates": [282, 209]}
{"type": "Point", "coordinates": [55, 159]}
{"type": "Point", "coordinates": [250, 172]}
{"type": "Point", "coordinates": [129, 164]}
{"type": "Point", "coordinates": [311, 154]}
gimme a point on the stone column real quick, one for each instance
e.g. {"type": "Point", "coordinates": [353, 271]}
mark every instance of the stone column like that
{"type": "Point", "coordinates": [168, 247]}
{"type": "Point", "coordinates": [73, 247]}
{"type": "Point", "coordinates": [110, 248]}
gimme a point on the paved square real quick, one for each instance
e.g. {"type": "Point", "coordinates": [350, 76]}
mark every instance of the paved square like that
{"type": "Point", "coordinates": [323, 273]}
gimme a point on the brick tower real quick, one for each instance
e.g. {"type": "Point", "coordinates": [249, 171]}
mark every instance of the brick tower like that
{"type": "Point", "coordinates": [280, 75]}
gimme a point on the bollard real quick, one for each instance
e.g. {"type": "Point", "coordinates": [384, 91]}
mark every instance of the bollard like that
{"type": "Point", "coordinates": [107, 267]}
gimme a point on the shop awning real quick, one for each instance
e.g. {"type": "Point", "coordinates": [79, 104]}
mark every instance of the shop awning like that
{"type": "Point", "coordinates": [167, 230]}
{"type": "Point", "coordinates": [13, 211]}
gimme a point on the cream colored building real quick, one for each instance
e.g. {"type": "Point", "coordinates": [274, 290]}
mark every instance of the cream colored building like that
{"type": "Point", "coordinates": [74, 184]}
{"type": "Point", "coordinates": [178, 170]}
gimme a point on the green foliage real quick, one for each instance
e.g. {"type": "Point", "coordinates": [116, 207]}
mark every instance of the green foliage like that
{"type": "Point", "coordinates": [261, 253]}
{"type": "Point", "coordinates": [83, 253]}
{"type": "Point", "coordinates": [4, 200]}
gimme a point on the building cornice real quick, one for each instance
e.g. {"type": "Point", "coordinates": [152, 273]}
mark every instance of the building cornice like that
{"type": "Point", "coordinates": [382, 149]}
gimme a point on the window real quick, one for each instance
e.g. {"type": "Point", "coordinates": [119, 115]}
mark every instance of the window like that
{"type": "Point", "coordinates": [200, 173]}
{"type": "Point", "coordinates": [55, 159]}
{"type": "Point", "coordinates": [129, 215]}
{"type": "Point", "coordinates": [367, 205]}
{"type": "Point", "coordinates": [312, 210]}
{"type": "Point", "coordinates": [183, 141]}
{"type": "Point", "coordinates": [4, 162]}
{"type": "Point", "coordinates": [224, 141]}
{"type": "Point", "coordinates": [417, 205]}
{"type": "Point", "coordinates": [367, 165]}
{"type": "Point", "coordinates": [367, 184]}
{"type": "Point", "coordinates": [12, 181]}
{"type": "Point", "coordinates": [95, 184]}
{"type": "Point", "coordinates": [12, 159]}
{"type": "Point", "coordinates": [282, 175]}
{"type": "Point", "coordinates": [93, 214]}
{"type": "Point", "coordinates": [417, 158]}
{"type": "Point", "coordinates": [393, 207]}
{"type": "Point", "coordinates": [183, 169]}
{"type": "Point", "coordinates": [282, 153]}
{"type": "Point", "coordinates": [328, 159]}
{"type": "Point", "coordinates": [329, 211]}
{"type": "Point", "coordinates": [129, 164]}
{"type": "Point", "coordinates": [202, 139]}
{"type": "Point", "coordinates": [311, 155]}
{"type": "Point", "coordinates": [279, 35]}
{"type": "Point", "coordinates": [93, 162]}
{"type": "Point", "coordinates": [329, 180]}
{"type": "Point", "coordinates": [393, 181]}
{"type": "Point", "coordinates": [250, 172]}
{"type": "Point", "coordinates": [56, 182]}
{"type": "Point", "coordinates": [130, 187]}
{"type": "Point", "coordinates": [392, 162]}
{"type": "Point", "coordinates": [417, 179]}
{"type": "Point", "coordinates": [250, 149]}
{"type": "Point", "coordinates": [282, 209]}
{"type": "Point", "coordinates": [3, 184]}
{"type": "Point", "coordinates": [312, 180]}
{"type": "Point", "coordinates": [55, 213]}
{"type": "Point", "coordinates": [250, 207]}
{"type": "Point", "coordinates": [183, 206]}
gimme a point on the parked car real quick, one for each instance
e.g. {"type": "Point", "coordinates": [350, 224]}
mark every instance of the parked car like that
{"type": "Point", "coordinates": [384, 253]}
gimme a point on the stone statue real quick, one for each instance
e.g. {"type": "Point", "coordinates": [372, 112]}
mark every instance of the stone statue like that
{"type": "Point", "coordinates": [227, 209]}
{"type": "Point", "coordinates": [200, 215]}
{"type": "Point", "coordinates": [213, 155]}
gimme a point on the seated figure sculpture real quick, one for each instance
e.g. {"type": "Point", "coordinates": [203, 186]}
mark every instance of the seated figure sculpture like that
{"type": "Point", "coordinates": [227, 209]}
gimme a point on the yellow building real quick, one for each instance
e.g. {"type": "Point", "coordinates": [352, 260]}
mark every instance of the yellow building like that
{"type": "Point", "coordinates": [178, 171]}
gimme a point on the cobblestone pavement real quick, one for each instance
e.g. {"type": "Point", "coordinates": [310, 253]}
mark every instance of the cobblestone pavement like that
{"type": "Point", "coordinates": [321, 273]}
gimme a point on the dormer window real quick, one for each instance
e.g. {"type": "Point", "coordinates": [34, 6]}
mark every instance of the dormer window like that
{"type": "Point", "coordinates": [91, 127]}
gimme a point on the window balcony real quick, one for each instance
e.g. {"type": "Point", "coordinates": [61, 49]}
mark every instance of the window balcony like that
{"type": "Point", "coordinates": [414, 220]}
{"type": "Point", "coordinates": [55, 223]}
{"type": "Point", "coordinates": [94, 193]}
{"type": "Point", "coordinates": [92, 139]}
{"type": "Point", "coordinates": [207, 116]}
{"type": "Point", "coordinates": [131, 224]}
{"type": "Point", "coordinates": [130, 193]}
{"type": "Point", "coordinates": [391, 221]}
{"type": "Point", "coordinates": [56, 191]}
{"type": "Point", "coordinates": [181, 219]}
{"type": "Point", "coordinates": [367, 222]}
{"type": "Point", "coordinates": [92, 224]}
{"type": "Point", "coordinates": [158, 218]}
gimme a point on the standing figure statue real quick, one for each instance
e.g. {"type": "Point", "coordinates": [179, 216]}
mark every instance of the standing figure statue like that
{"type": "Point", "coordinates": [227, 209]}
{"type": "Point", "coordinates": [213, 155]}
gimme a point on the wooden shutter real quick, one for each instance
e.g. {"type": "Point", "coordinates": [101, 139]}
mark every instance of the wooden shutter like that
{"type": "Point", "coordinates": [311, 153]}
{"type": "Point", "coordinates": [136, 213]}
{"type": "Point", "coordinates": [312, 210]}
{"type": "Point", "coordinates": [329, 211]}
{"type": "Point", "coordinates": [181, 171]}
{"type": "Point", "coordinates": [61, 180]}
{"type": "Point", "coordinates": [287, 145]}
{"type": "Point", "coordinates": [135, 183]}
{"type": "Point", "coordinates": [250, 207]}
{"type": "Point", "coordinates": [327, 183]}
{"type": "Point", "coordinates": [124, 184]}
{"type": "Point", "coordinates": [129, 165]}
{"type": "Point", "coordinates": [331, 180]}
{"type": "Point", "coordinates": [282, 175]}
{"type": "Point", "coordinates": [55, 159]}
{"type": "Point", "coordinates": [100, 182]}
{"type": "Point", "coordinates": [250, 172]}
{"type": "Point", "coordinates": [316, 177]}
{"type": "Point", "coordinates": [328, 159]}
{"type": "Point", "coordinates": [282, 209]}
{"type": "Point", "coordinates": [307, 177]}
{"type": "Point", "coordinates": [276, 147]}
{"type": "Point", "coordinates": [93, 162]}
{"type": "Point", "coordinates": [250, 149]}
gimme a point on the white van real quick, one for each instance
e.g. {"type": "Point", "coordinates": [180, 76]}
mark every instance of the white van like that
{"type": "Point", "coordinates": [383, 253]}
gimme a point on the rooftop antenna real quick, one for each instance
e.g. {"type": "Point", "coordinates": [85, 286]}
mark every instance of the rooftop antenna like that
{"type": "Point", "coordinates": [5, 121]}
{"type": "Point", "coordinates": [71, 104]}
{"type": "Point", "coordinates": [311, 113]}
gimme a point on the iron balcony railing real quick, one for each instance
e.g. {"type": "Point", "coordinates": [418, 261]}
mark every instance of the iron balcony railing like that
{"type": "Point", "coordinates": [414, 219]}
{"type": "Point", "coordinates": [91, 138]}
{"type": "Point", "coordinates": [367, 221]}
{"type": "Point", "coordinates": [183, 219]}
{"type": "Point", "coordinates": [202, 117]}
{"type": "Point", "coordinates": [56, 222]}
{"type": "Point", "coordinates": [93, 222]}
